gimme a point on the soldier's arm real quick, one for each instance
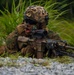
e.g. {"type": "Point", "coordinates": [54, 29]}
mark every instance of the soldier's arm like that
{"type": "Point", "coordinates": [11, 40]}
{"type": "Point", "coordinates": [53, 35]}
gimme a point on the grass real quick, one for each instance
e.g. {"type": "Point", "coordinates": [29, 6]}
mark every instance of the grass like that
{"type": "Point", "coordinates": [64, 59]}
{"type": "Point", "coordinates": [64, 28]}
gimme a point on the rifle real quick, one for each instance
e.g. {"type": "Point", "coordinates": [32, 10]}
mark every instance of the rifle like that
{"type": "Point", "coordinates": [40, 40]}
{"type": "Point", "coordinates": [54, 47]}
{"type": "Point", "coordinates": [58, 47]}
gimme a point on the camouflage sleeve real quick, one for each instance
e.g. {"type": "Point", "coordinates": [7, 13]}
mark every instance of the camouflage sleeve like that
{"type": "Point", "coordinates": [53, 35]}
{"type": "Point", "coordinates": [11, 40]}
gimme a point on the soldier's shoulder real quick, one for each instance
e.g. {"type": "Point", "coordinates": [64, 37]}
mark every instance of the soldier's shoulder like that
{"type": "Point", "coordinates": [20, 28]}
{"type": "Point", "coordinates": [53, 35]}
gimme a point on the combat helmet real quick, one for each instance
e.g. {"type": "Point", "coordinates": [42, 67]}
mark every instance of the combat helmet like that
{"type": "Point", "coordinates": [36, 14]}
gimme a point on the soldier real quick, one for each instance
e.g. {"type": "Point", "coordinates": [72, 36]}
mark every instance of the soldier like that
{"type": "Point", "coordinates": [34, 17]}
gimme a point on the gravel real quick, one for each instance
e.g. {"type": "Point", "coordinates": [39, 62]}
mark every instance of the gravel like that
{"type": "Point", "coordinates": [32, 66]}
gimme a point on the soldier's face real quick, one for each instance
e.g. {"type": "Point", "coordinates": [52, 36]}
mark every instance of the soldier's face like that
{"type": "Point", "coordinates": [28, 28]}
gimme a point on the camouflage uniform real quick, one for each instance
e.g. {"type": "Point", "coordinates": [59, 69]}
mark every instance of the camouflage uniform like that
{"type": "Point", "coordinates": [33, 14]}
{"type": "Point", "coordinates": [14, 45]}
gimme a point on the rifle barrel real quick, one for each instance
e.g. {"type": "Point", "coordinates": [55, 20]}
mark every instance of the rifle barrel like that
{"type": "Point", "coordinates": [69, 47]}
{"type": "Point", "coordinates": [68, 54]}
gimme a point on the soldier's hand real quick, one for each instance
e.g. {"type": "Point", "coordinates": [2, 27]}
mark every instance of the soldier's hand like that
{"type": "Point", "coordinates": [23, 39]}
